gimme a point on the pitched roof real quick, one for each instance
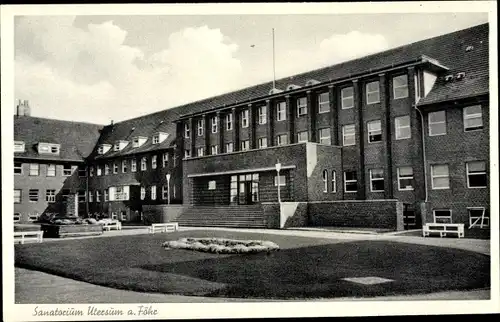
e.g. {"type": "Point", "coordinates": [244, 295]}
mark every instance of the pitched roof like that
{"type": "Point", "coordinates": [76, 139]}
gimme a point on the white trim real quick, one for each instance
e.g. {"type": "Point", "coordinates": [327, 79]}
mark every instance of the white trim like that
{"type": "Point", "coordinates": [394, 87]}
{"type": "Point", "coordinates": [398, 126]}
{"type": "Point", "coordinates": [345, 182]}
{"type": "Point", "coordinates": [200, 126]}
{"type": "Point", "coordinates": [432, 177]}
{"type": "Point", "coordinates": [429, 123]}
{"type": "Point", "coordinates": [329, 137]}
{"type": "Point", "coordinates": [278, 105]}
{"type": "Point", "coordinates": [472, 224]}
{"type": "Point", "coordinates": [334, 181]}
{"type": "Point", "coordinates": [343, 134]}
{"type": "Point", "coordinates": [407, 178]}
{"type": "Point", "coordinates": [245, 115]}
{"type": "Point", "coordinates": [479, 173]}
{"type": "Point", "coordinates": [327, 103]}
{"type": "Point", "coordinates": [262, 116]}
{"type": "Point", "coordinates": [371, 131]}
{"type": "Point", "coordinates": [372, 92]}
{"type": "Point", "coordinates": [298, 136]}
{"type": "Point", "coordinates": [342, 98]}
{"type": "Point", "coordinates": [326, 182]}
{"type": "Point", "coordinates": [196, 175]}
{"type": "Point", "coordinates": [472, 116]}
{"type": "Point", "coordinates": [377, 179]}
{"type": "Point", "coordinates": [228, 118]}
{"type": "Point", "coordinates": [301, 106]}
{"type": "Point", "coordinates": [215, 124]}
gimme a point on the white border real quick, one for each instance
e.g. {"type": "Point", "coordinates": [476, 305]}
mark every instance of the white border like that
{"type": "Point", "coordinates": [252, 310]}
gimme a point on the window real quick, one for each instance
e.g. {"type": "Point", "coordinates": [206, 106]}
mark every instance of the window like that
{"type": "Point", "coordinates": [82, 196]}
{"type": "Point", "coordinates": [400, 86]}
{"type": "Point", "coordinates": [282, 139]}
{"type": "Point", "coordinates": [376, 180]}
{"type": "Point", "coordinates": [324, 102]}
{"type": "Point", "coordinates": [17, 217]}
{"type": "Point", "coordinates": [405, 178]}
{"type": "Point", "coordinates": [440, 176]}
{"type": "Point", "coordinates": [402, 124]}
{"type": "Point", "coordinates": [442, 216]}
{"type": "Point", "coordinates": [282, 180]}
{"type": "Point", "coordinates": [51, 170]}
{"type": "Point", "coordinates": [473, 118]}
{"type": "Point", "coordinates": [91, 196]}
{"type": "Point", "coordinates": [372, 93]}
{"type": "Point", "coordinates": [245, 145]}
{"type": "Point", "coordinates": [262, 143]}
{"type": "Point", "coordinates": [478, 216]}
{"type": "Point", "coordinates": [156, 139]}
{"type": "Point", "coordinates": [324, 136]}
{"type": "Point", "coordinates": [143, 193]}
{"type": "Point", "coordinates": [115, 168]}
{"type": "Point", "coordinates": [50, 195]}
{"type": "Point", "coordinates": [48, 148]}
{"type": "Point", "coordinates": [97, 196]}
{"type": "Point", "coordinates": [437, 123]}
{"type": "Point", "coordinates": [106, 195]}
{"type": "Point", "coordinates": [229, 147]}
{"type": "Point", "coordinates": [200, 152]}
{"type": "Point", "coordinates": [144, 164]}
{"type": "Point", "coordinates": [114, 215]}
{"type": "Point", "coordinates": [347, 97]}
{"type": "Point", "coordinates": [186, 130]}
{"type": "Point", "coordinates": [165, 159]}
{"type": "Point", "coordinates": [124, 166]}
{"type": "Point", "coordinates": [281, 111]}
{"type": "Point", "coordinates": [33, 195]}
{"type": "Point", "coordinates": [99, 170]}
{"type": "Point", "coordinates": [153, 192]}
{"type": "Point", "coordinates": [325, 181]}
{"type": "Point", "coordinates": [334, 181]}
{"type": "Point", "coordinates": [174, 189]}
{"type": "Point", "coordinates": [244, 118]}
{"type": "Point", "coordinates": [187, 153]}
{"type": "Point", "coordinates": [229, 122]}
{"type": "Point", "coordinates": [262, 112]}
{"type": "Point", "coordinates": [200, 127]}
{"type": "Point", "coordinates": [164, 192]}
{"type": "Point", "coordinates": [18, 146]}
{"type": "Point", "coordinates": [374, 131]}
{"type": "Point", "coordinates": [154, 162]}
{"type": "Point", "coordinates": [119, 193]}
{"type": "Point", "coordinates": [302, 106]}
{"type": "Point", "coordinates": [66, 170]}
{"type": "Point", "coordinates": [136, 142]}
{"type": "Point", "coordinates": [133, 165]}
{"type": "Point", "coordinates": [302, 136]}
{"type": "Point", "coordinates": [215, 122]}
{"type": "Point", "coordinates": [91, 171]}
{"type": "Point", "coordinates": [106, 169]}
{"type": "Point", "coordinates": [212, 185]}
{"type": "Point", "coordinates": [17, 195]}
{"type": "Point", "coordinates": [476, 174]}
{"type": "Point", "coordinates": [214, 149]}
{"type": "Point", "coordinates": [116, 147]}
{"type": "Point", "coordinates": [82, 171]}
{"type": "Point", "coordinates": [34, 169]}
{"type": "Point", "coordinates": [18, 168]}
{"type": "Point", "coordinates": [348, 135]}
{"type": "Point", "coordinates": [233, 197]}
{"type": "Point", "coordinates": [350, 181]}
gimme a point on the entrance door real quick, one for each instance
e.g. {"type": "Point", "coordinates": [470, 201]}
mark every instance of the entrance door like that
{"type": "Point", "coordinates": [245, 193]}
{"type": "Point", "coordinates": [410, 220]}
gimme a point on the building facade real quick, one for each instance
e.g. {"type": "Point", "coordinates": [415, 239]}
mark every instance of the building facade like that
{"type": "Point", "coordinates": [391, 140]}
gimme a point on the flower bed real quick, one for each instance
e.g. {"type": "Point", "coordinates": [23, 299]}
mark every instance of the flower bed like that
{"type": "Point", "coordinates": [222, 246]}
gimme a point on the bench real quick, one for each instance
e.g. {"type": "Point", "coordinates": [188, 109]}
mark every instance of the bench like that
{"type": "Point", "coordinates": [443, 229]}
{"type": "Point", "coordinates": [24, 236]}
{"type": "Point", "coordinates": [163, 228]}
{"type": "Point", "coordinates": [108, 225]}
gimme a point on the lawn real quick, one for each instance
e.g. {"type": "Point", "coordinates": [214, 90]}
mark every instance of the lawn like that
{"type": "Point", "coordinates": [302, 268]}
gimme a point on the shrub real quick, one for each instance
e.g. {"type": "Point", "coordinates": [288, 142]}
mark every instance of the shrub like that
{"type": "Point", "coordinates": [222, 245]}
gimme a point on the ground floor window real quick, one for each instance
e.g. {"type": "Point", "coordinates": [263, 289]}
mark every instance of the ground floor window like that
{"type": "Point", "coordinates": [244, 189]}
{"type": "Point", "coordinates": [50, 195]}
{"type": "Point", "coordinates": [33, 217]}
{"type": "Point", "coordinates": [350, 181]}
{"type": "Point", "coordinates": [377, 180]}
{"type": "Point", "coordinates": [17, 217]}
{"type": "Point", "coordinates": [405, 178]}
{"type": "Point", "coordinates": [442, 216]}
{"type": "Point", "coordinates": [33, 195]}
{"type": "Point", "coordinates": [478, 217]}
{"type": "Point", "coordinates": [17, 196]}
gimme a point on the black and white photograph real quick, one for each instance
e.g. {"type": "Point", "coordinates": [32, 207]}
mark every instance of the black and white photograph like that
{"type": "Point", "coordinates": [249, 160]}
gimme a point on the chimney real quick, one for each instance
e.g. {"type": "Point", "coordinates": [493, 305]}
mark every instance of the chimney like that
{"type": "Point", "coordinates": [27, 108]}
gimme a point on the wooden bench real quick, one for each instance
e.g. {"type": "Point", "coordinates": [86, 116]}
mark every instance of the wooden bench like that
{"type": "Point", "coordinates": [24, 236]}
{"type": "Point", "coordinates": [107, 225]}
{"type": "Point", "coordinates": [443, 229]}
{"type": "Point", "coordinates": [163, 228]}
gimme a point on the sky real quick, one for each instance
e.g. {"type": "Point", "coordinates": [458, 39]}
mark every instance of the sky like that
{"type": "Point", "coordinates": [102, 68]}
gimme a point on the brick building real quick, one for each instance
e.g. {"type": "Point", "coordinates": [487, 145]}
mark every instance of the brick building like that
{"type": "Point", "coordinates": [389, 140]}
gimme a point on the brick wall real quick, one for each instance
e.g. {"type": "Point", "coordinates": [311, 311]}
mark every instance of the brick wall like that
{"type": "Point", "coordinates": [375, 214]}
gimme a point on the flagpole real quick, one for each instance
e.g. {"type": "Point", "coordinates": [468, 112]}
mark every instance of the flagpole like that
{"type": "Point", "coordinates": [274, 64]}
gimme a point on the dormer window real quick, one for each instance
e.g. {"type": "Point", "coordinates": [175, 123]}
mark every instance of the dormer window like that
{"type": "Point", "coordinates": [18, 146]}
{"type": "Point", "coordinates": [103, 148]}
{"type": "Point", "coordinates": [119, 145]}
{"type": "Point", "coordinates": [48, 148]}
{"type": "Point", "coordinates": [138, 141]}
{"type": "Point", "coordinates": [159, 137]}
